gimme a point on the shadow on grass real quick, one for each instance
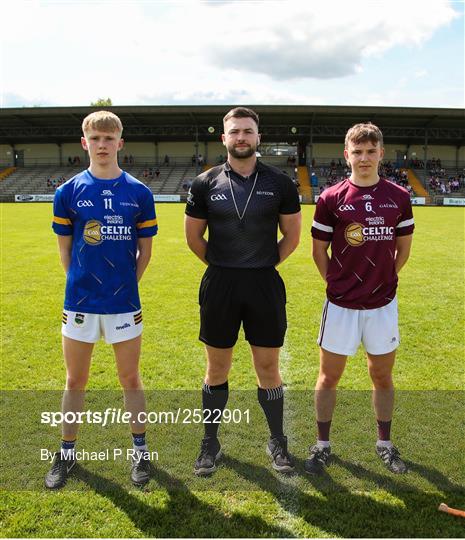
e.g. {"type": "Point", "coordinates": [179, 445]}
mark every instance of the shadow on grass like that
{"type": "Point", "coordinates": [185, 515]}
{"type": "Point", "coordinates": [338, 511]}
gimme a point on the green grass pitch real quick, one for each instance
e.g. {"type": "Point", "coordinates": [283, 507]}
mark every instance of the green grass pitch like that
{"type": "Point", "coordinates": [245, 498]}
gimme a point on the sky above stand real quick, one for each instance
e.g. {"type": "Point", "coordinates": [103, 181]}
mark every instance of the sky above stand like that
{"type": "Point", "coordinates": [372, 52]}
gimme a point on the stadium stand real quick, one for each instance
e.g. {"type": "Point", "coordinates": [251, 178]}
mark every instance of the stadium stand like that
{"type": "Point", "coordinates": [25, 180]}
{"type": "Point", "coordinates": [175, 178]}
{"type": "Point", "coordinates": [329, 173]}
{"type": "Point", "coordinates": [305, 189]}
{"type": "Point", "coordinates": [6, 172]}
{"type": "Point", "coordinates": [41, 143]}
{"type": "Point", "coordinates": [45, 179]}
{"type": "Point", "coordinates": [417, 186]}
{"type": "Point", "coordinates": [432, 182]}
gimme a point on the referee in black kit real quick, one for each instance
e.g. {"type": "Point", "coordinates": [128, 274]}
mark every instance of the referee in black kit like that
{"type": "Point", "coordinates": [242, 202]}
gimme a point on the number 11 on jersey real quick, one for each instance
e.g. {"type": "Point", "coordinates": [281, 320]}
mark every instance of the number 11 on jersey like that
{"type": "Point", "coordinates": [108, 203]}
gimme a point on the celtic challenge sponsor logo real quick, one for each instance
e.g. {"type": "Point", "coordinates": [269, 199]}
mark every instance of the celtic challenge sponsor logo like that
{"type": "Point", "coordinates": [354, 235]}
{"type": "Point", "coordinates": [95, 232]}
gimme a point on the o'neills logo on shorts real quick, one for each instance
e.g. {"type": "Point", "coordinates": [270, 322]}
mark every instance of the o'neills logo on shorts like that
{"type": "Point", "coordinates": [356, 234]}
{"type": "Point", "coordinates": [95, 232]}
{"type": "Point", "coordinates": [123, 327]}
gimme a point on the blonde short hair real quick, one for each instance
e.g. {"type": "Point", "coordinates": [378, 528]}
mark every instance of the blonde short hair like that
{"type": "Point", "coordinates": [102, 121]}
{"type": "Point", "coordinates": [364, 132]}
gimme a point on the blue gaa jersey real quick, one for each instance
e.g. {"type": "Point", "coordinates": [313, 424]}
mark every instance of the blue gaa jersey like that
{"type": "Point", "coordinates": [105, 218]}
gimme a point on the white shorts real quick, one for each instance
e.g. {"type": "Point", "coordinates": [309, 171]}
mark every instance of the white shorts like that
{"type": "Point", "coordinates": [90, 327]}
{"type": "Point", "coordinates": [342, 329]}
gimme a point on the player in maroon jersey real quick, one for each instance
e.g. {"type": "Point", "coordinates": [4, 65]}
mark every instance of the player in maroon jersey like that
{"type": "Point", "coordinates": [368, 222]}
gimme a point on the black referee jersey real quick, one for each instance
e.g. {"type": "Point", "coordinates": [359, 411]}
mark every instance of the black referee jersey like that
{"type": "Point", "coordinates": [242, 213]}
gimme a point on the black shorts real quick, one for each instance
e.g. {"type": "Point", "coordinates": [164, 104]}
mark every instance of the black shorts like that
{"type": "Point", "coordinates": [255, 297]}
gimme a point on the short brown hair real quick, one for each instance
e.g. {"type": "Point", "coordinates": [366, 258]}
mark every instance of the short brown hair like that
{"type": "Point", "coordinates": [102, 121]}
{"type": "Point", "coordinates": [241, 112]}
{"type": "Point", "coordinates": [364, 132]}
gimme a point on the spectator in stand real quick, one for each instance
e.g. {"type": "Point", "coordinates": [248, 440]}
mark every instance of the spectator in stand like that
{"type": "Point", "coordinates": [291, 160]}
{"type": "Point", "coordinates": [166, 160]}
{"type": "Point", "coordinates": [403, 179]}
{"type": "Point", "coordinates": [434, 184]}
{"type": "Point", "coordinates": [157, 172]}
{"type": "Point", "coordinates": [70, 161]}
{"type": "Point", "coordinates": [125, 160]}
{"type": "Point", "coordinates": [131, 159]}
{"type": "Point", "coordinates": [416, 163]}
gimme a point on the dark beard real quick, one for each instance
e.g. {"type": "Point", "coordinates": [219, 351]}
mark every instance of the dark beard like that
{"type": "Point", "coordinates": [242, 153]}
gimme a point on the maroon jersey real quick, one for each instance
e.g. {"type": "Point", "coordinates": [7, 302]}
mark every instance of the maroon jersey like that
{"type": "Point", "coordinates": [362, 224]}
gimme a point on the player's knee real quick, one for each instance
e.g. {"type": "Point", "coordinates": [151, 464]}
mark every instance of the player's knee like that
{"type": "Point", "coordinates": [78, 382]}
{"type": "Point", "coordinates": [268, 370]}
{"type": "Point", "coordinates": [328, 381]}
{"type": "Point", "coordinates": [216, 376]}
{"type": "Point", "coordinates": [130, 381]}
{"type": "Point", "coordinates": [217, 373]}
{"type": "Point", "coordinates": [381, 381]}
{"type": "Point", "coordinates": [269, 366]}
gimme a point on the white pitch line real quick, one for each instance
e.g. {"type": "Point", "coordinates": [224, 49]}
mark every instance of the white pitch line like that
{"type": "Point", "coordinates": [288, 499]}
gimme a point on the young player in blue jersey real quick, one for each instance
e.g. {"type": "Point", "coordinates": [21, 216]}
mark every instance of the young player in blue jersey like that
{"type": "Point", "coordinates": [104, 220]}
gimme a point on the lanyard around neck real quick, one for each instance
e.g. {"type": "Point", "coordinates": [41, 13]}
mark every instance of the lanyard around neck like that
{"type": "Point", "coordinates": [239, 215]}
